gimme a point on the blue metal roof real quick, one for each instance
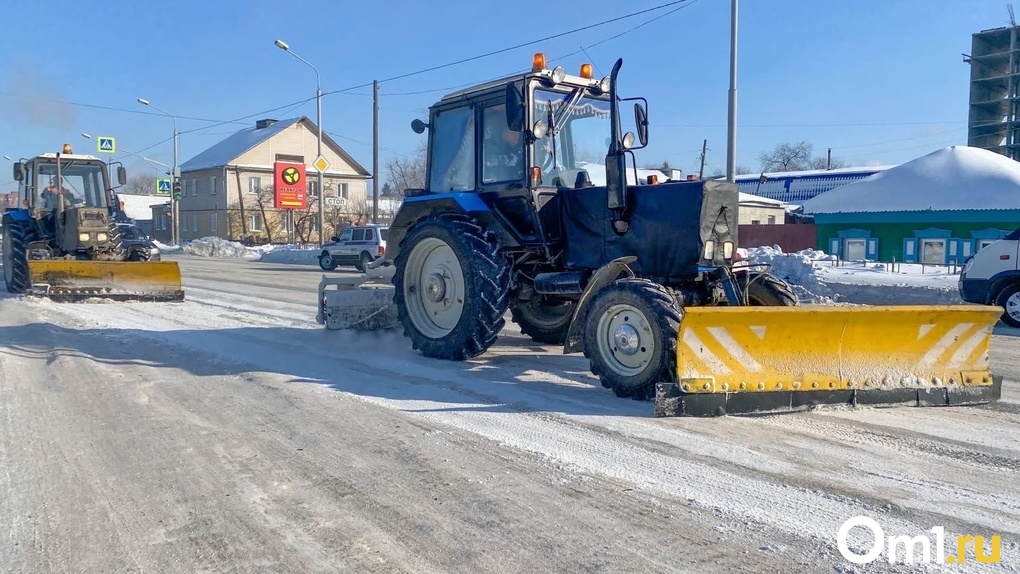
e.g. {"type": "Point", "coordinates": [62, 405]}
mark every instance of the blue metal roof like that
{"type": "Point", "coordinates": [796, 187]}
{"type": "Point", "coordinates": [231, 148]}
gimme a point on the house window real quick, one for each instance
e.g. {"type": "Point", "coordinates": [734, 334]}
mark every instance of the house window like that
{"type": "Point", "coordinates": [854, 249]}
{"type": "Point", "coordinates": [212, 185]}
{"type": "Point", "coordinates": [194, 186]}
{"type": "Point", "coordinates": [254, 185]}
{"type": "Point", "coordinates": [212, 222]}
{"type": "Point", "coordinates": [772, 220]}
{"type": "Point", "coordinates": [342, 191]}
{"type": "Point", "coordinates": [755, 222]}
{"type": "Point", "coordinates": [313, 188]}
{"type": "Point", "coordinates": [933, 251]}
{"type": "Point", "coordinates": [194, 223]}
{"type": "Point", "coordinates": [255, 223]}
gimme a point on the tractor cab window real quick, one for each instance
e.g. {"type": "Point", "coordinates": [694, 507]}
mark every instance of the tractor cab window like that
{"type": "Point", "coordinates": [577, 139]}
{"type": "Point", "coordinates": [453, 150]}
{"type": "Point", "coordinates": [502, 149]}
{"type": "Point", "coordinates": [81, 185]}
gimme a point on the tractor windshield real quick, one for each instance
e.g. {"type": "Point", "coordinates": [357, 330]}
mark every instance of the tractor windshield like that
{"type": "Point", "coordinates": [578, 136]}
{"type": "Point", "coordinates": [82, 184]}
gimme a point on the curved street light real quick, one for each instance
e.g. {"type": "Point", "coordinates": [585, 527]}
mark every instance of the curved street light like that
{"type": "Point", "coordinates": [174, 175]}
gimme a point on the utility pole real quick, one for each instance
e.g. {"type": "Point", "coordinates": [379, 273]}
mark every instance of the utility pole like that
{"type": "Point", "coordinates": [704, 150]}
{"type": "Point", "coordinates": [375, 151]}
{"type": "Point", "coordinates": [828, 161]}
{"type": "Point", "coordinates": [731, 131]}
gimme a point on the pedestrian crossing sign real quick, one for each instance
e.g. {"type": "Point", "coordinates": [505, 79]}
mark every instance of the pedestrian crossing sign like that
{"type": "Point", "coordinates": [106, 144]}
{"type": "Point", "coordinates": [162, 187]}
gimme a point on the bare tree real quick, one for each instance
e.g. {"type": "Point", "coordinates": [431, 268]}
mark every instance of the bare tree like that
{"type": "Point", "coordinates": [796, 157]}
{"type": "Point", "coordinates": [140, 184]}
{"type": "Point", "coordinates": [407, 172]}
{"type": "Point", "coordinates": [786, 157]}
{"type": "Point", "coordinates": [822, 162]}
{"type": "Point", "coordinates": [265, 199]}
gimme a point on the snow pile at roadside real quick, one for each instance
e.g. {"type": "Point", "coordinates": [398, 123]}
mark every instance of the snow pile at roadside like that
{"type": "Point", "coordinates": [216, 247]}
{"type": "Point", "coordinates": [797, 269]}
{"type": "Point", "coordinates": [291, 254]}
{"type": "Point", "coordinates": [164, 248]}
{"type": "Point", "coordinates": [815, 279]}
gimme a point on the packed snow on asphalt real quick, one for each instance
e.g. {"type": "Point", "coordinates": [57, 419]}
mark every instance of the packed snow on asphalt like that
{"type": "Point", "coordinates": [231, 432]}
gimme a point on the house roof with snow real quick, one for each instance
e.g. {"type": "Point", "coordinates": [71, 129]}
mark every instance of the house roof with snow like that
{"type": "Point", "coordinates": [138, 207]}
{"type": "Point", "coordinates": [757, 201]}
{"type": "Point", "coordinates": [234, 146]}
{"type": "Point", "coordinates": [952, 178]}
{"type": "Point", "coordinates": [798, 186]}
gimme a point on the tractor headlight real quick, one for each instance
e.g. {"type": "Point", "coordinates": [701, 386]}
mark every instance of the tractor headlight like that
{"type": "Point", "coordinates": [709, 250]}
{"type": "Point", "coordinates": [628, 140]}
{"type": "Point", "coordinates": [727, 250]}
{"type": "Point", "coordinates": [83, 237]}
{"type": "Point", "coordinates": [558, 75]}
{"type": "Point", "coordinates": [102, 237]}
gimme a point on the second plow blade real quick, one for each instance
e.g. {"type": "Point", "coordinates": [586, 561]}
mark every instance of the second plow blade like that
{"type": "Point", "coordinates": [76, 280]}
{"type": "Point", "coordinates": [753, 359]}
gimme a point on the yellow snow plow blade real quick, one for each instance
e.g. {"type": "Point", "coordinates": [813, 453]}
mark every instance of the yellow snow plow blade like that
{"type": "Point", "coordinates": [749, 359]}
{"type": "Point", "coordinates": [74, 280]}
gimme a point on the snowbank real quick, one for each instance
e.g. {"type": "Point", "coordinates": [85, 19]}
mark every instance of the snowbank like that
{"type": "Point", "coordinates": [164, 248]}
{"type": "Point", "coordinates": [816, 279]}
{"type": "Point", "coordinates": [292, 255]}
{"type": "Point", "coordinates": [216, 247]}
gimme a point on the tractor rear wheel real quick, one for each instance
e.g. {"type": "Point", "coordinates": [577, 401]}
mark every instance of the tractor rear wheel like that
{"type": "Point", "coordinates": [545, 322]}
{"type": "Point", "coordinates": [451, 287]}
{"type": "Point", "coordinates": [767, 290]}
{"type": "Point", "coordinates": [15, 256]}
{"type": "Point", "coordinates": [630, 336]}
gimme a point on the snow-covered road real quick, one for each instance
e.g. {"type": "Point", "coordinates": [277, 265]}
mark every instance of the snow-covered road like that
{"type": "Point", "coordinates": [232, 433]}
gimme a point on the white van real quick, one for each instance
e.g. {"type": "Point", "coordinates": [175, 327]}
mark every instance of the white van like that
{"type": "Point", "coordinates": [992, 276]}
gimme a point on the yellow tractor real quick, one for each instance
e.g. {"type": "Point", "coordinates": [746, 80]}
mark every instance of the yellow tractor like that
{"type": "Point", "coordinates": [63, 242]}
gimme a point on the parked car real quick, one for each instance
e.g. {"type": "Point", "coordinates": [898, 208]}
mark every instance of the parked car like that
{"type": "Point", "coordinates": [137, 244]}
{"type": "Point", "coordinates": [992, 277]}
{"type": "Point", "coordinates": [358, 246]}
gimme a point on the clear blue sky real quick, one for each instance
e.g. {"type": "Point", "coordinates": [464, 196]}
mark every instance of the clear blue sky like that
{"type": "Point", "coordinates": [877, 81]}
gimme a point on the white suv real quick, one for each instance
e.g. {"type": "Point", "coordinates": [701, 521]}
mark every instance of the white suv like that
{"type": "Point", "coordinates": [992, 276]}
{"type": "Point", "coordinates": [357, 246]}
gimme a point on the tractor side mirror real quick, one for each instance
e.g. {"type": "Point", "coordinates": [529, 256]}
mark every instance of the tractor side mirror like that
{"type": "Point", "coordinates": [641, 121]}
{"type": "Point", "coordinates": [19, 171]}
{"type": "Point", "coordinates": [121, 175]}
{"type": "Point", "coordinates": [514, 109]}
{"type": "Point", "coordinates": [419, 126]}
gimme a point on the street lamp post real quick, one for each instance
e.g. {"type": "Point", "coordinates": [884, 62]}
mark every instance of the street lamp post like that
{"type": "Point", "coordinates": [174, 176]}
{"type": "Point", "coordinates": [318, 121]}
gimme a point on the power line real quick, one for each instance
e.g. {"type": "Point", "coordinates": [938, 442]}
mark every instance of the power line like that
{"type": "Point", "coordinates": [517, 46]}
{"type": "Point", "coordinates": [855, 124]}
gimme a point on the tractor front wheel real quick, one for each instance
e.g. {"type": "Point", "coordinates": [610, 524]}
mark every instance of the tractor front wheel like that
{"type": "Point", "coordinates": [451, 287]}
{"type": "Point", "coordinates": [767, 290]}
{"type": "Point", "coordinates": [15, 256]}
{"type": "Point", "coordinates": [630, 336]}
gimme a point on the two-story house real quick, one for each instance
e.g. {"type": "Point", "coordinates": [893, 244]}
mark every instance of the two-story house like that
{"type": "Point", "coordinates": [227, 190]}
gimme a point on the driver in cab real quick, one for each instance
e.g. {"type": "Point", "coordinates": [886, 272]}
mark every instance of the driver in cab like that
{"type": "Point", "coordinates": [52, 194]}
{"type": "Point", "coordinates": [504, 156]}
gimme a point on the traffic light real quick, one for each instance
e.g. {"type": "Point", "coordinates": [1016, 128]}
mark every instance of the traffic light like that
{"type": "Point", "coordinates": [177, 189]}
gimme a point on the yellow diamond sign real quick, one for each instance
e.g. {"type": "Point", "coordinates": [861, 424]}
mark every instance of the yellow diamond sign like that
{"type": "Point", "coordinates": [320, 163]}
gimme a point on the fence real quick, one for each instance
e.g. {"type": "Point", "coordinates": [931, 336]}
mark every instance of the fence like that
{"type": "Point", "coordinates": [789, 237]}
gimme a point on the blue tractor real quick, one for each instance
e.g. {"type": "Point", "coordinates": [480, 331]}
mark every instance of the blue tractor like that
{"type": "Point", "coordinates": [530, 206]}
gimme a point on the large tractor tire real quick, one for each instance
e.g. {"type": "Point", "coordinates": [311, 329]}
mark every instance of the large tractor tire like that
{"type": "Point", "coordinates": [630, 336]}
{"type": "Point", "coordinates": [767, 290]}
{"type": "Point", "coordinates": [15, 256]}
{"type": "Point", "coordinates": [139, 253]}
{"type": "Point", "coordinates": [545, 322]}
{"type": "Point", "coordinates": [452, 287]}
